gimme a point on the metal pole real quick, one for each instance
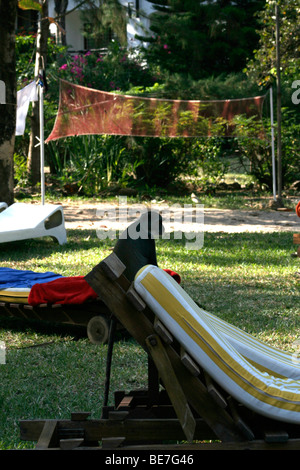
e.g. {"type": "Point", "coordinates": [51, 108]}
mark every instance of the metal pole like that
{"type": "Point", "coordinates": [42, 148]}
{"type": "Point", "coordinates": [273, 144]}
{"type": "Point", "coordinates": [278, 83]}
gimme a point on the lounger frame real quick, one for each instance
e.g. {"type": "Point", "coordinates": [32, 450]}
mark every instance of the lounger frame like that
{"type": "Point", "coordinates": [181, 403]}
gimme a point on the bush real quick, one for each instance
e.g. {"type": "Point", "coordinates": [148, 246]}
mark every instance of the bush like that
{"type": "Point", "coordinates": [112, 71]}
{"type": "Point", "coordinates": [258, 150]}
{"type": "Point", "coordinates": [89, 163]}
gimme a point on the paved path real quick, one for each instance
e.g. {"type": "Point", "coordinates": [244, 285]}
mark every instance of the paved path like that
{"type": "Point", "coordinates": [107, 216]}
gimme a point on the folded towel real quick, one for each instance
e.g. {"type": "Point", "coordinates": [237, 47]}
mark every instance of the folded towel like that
{"type": "Point", "coordinates": [69, 290]}
{"type": "Point", "coordinates": [174, 275]}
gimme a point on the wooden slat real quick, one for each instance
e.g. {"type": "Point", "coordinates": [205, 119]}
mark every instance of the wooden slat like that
{"type": "Point", "coordinates": [162, 331]}
{"type": "Point", "coordinates": [135, 299]}
{"type": "Point", "coordinates": [296, 238]}
{"type": "Point", "coordinates": [48, 435]}
{"type": "Point", "coordinates": [245, 429]}
{"type": "Point", "coordinates": [80, 415]}
{"type": "Point", "coordinates": [189, 363]}
{"type": "Point", "coordinates": [112, 266]}
{"type": "Point", "coordinates": [272, 436]}
{"type": "Point", "coordinates": [70, 444]}
{"type": "Point", "coordinates": [214, 392]}
{"type": "Point", "coordinates": [112, 442]}
{"type": "Point", "coordinates": [173, 387]}
{"type": "Point", "coordinates": [137, 430]}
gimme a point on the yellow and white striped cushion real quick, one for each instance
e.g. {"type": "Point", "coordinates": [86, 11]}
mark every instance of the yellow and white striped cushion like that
{"type": "Point", "coordinates": [198, 332]}
{"type": "Point", "coordinates": [263, 356]}
{"type": "Point", "coordinates": [15, 295]}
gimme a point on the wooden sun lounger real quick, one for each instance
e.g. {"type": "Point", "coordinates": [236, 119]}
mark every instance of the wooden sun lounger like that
{"type": "Point", "coordinates": [94, 315]}
{"type": "Point", "coordinates": [296, 240]}
{"type": "Point", "coordinates": [182, 402]}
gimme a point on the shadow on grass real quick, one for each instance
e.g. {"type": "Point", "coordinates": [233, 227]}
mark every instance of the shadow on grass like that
{"type": "Point", "coordinates": [230, 249]}
{"type": "Point", "coordinates": [78, 240]}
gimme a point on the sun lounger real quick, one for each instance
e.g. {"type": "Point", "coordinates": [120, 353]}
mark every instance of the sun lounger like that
{"type": "Point", "coordinates": [204, 387]}
{"type": "Point", "coordinates": [3, 206]}
{"type": "Point", "coordinates": [263, 392]}
{"type": "Point", "coordinates": [50, 297]}
{"type": "Point", "coordinates": [22, 221]}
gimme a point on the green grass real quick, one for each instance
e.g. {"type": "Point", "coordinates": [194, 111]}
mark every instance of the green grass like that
{"type": "Point", "coordinates": [248, 279]}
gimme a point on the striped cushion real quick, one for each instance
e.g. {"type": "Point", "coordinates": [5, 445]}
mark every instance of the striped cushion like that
{"type": "Point", "coordinates": [263, 356]}
{"type": "Point", "coordinates": [204, 338]}
{"type": "Point", "coordinates": [15, 295]}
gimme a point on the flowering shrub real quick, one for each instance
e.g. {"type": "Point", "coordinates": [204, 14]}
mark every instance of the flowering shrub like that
{"type": "Point", "coordinates": [113, 71]}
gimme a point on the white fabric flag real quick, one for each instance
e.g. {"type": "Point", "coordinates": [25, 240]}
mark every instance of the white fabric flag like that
{"type": "Point", "coordinates": [24, 96]}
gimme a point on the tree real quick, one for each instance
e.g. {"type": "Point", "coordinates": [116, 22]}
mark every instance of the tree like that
{"type": "Point", "coordinates": [203, 38]}
{"type": "Point", "coordinates": [33, 161]}
{"type": "Point", "coordinates": [262, 68]}
{"type": "Point", "coordinates": [8, 12]}
{"type": "Point", "coordinates": [277, 60]}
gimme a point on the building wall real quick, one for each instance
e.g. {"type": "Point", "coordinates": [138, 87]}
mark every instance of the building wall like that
{"type": "Point", "coordinates": [74, 27]}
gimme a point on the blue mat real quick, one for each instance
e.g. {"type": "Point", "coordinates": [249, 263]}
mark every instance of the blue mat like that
{"type": "Point", "coordinates": [24, 279]}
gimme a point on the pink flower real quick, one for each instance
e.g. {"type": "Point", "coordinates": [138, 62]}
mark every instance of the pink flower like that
{"type": "Point", "coordinates": [63, 67]}
{"type": "Point", "coordinates": [165, 46]}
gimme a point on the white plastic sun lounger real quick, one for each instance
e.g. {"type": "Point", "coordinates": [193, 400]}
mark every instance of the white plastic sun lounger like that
{"type": "Point", "coordinates": [262, 391]}
{"type": "Point", "coordinates": [22, 221]}
{"type": "Point", "coordinates": [3, 206]}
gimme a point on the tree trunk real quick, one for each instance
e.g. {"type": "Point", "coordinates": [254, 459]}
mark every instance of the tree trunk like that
{"type": "Point", "coordinates": [33, 161]}
{"type": "Point", "coordinates": [8, 12]}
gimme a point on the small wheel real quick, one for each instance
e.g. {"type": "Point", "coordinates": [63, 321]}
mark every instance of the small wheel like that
{"type": "Point", "coordinates": [98, 330]}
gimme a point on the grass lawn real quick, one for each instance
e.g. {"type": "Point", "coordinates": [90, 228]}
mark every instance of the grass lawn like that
{"type": "Point", "coordinates": [248, 279]}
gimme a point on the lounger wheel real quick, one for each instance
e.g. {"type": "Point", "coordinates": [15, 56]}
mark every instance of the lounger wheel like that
{"type": "Point", "coordinates": [98, 329]}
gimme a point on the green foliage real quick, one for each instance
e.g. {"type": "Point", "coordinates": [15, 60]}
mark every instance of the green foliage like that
{"type": "Point", "coordinates": [290, 147]}
{"type": "Point", "coordinates": [262, 68]}
{"type": "Point", "coordinates": [209, 158]}
{"type": "Point", "coordinates": [90, 163]}
{"type": "Point", "coordinates": [20, 170]}
{"type": "Point", "coordinates": [258, 150]}
{"type": "Point", "coordinates": [254, 150]}
{"type": "Point", "coordinates": [25, 59]}
{"type": "Point", "coordinates": [160, 161]}
{"type": "Point", "coordinates": [201, 38]}
{"type": "Point", "coordinates": [112, 71]}
{"type": "Point", "coordinates": [29, 5]}
{"type": "Point", "coordinates": [223, 86]}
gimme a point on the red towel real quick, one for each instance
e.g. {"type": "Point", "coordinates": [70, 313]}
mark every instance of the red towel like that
{"type": "Point", "coordinates": [66, 290]}
{"type": "Point", "coordinates": [69, 290]}
{"type": "Point", "coordinates": [298, 209]}
{"type": "Point", "coordinates": [174, 275]}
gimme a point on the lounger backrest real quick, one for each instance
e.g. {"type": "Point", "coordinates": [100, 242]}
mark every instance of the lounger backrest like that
{"type": "Point", "coordinates": [271, 396]}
